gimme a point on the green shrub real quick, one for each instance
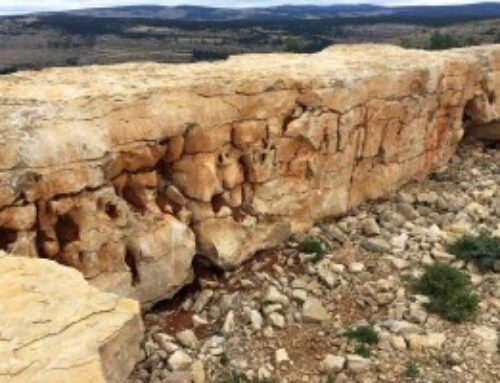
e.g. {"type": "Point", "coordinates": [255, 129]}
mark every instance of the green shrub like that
{"type": "Point", "coordinates": [439, 41]}
{"type": "Point", "coordinates": [293, 45]}
{"type": "Point", "coordinates": [362, 350]}
{"type": "Point", "coordinates": [363, 334]}
{"type": "Point", "coordinates": [412, 370]}
{"type": "Point", "coordinates": [312, 246]}
{"type": "Point", "coordinates": [457, 307]}
{"type": "Point", "coordinates": [224, 359]}
{"type": "Point", "coordinates": [484, 249]}
{"type": "Point", "coordinates": [441, 279]}
{"type": "Point", "coordinates": [449, 290]}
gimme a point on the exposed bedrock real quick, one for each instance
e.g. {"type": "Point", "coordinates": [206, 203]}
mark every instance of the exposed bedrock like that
{"type": "Point", "coordinates": [125, 171]}
{"type": "Point", "coordinates": [56, 328]}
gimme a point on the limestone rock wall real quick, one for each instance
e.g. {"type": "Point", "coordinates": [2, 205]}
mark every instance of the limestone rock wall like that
{"type": "Point", "coordinates": [56, 328]}
{"type": "Point", "coordinates": [125, 171]}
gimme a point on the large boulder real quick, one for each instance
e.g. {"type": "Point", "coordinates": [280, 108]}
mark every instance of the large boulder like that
{"type": "Point", "coordinates": [121, 171]}
{"type": "Point", "coordinates": [55, 327]}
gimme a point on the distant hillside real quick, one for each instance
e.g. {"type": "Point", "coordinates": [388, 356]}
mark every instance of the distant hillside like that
{"type": "Point", "coordinates": [190, 34]}
{"type": "Point", "coordinates": [196, 13]}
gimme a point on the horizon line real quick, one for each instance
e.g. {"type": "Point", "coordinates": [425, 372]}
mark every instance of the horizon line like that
{"type": "Point", "coordinates": [243, 6]}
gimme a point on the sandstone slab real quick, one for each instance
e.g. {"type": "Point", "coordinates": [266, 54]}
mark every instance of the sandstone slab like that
{"type": "Point", "coordinates": [55, 327]}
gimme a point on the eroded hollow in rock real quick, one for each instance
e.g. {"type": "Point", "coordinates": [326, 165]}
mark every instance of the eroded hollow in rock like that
{"type": "Point", "coordinates": [67, 230]}
{"type": "Point", "coordinates": [7, 237]}
{"type": "Point", "coordinates": [132, 265]}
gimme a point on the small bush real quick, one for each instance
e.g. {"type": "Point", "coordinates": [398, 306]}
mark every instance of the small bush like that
{"type": "Point", "coordinates": [457, 307]}
{"type": "Point", "coordinates": [441, 279]}
{"type": "Point", "coordinates": [449, 290]}
{"type": "Point", "coordinates": [440, 41]}
{"type": "Point", "coordinates": [412, 370]}
{"type": "Point", "coordinates": [224, 359]}
{"type": "Point", "coordinates": [362, 350]}
{"type": "Point", "coordinates": [311, 246]}
{"type": "Point", "coordinates": [363, 334]}
{"type": "Point", "coordinates": [484, 249]}
{"type": "Point", "coordinates": [293, 45]}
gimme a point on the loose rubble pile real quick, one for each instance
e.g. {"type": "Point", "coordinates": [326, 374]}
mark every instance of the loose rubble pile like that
{"type": "Point", "coordinates": [283, 317]}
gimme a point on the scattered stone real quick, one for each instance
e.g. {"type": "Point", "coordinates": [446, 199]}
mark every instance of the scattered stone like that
{"type": "Point", "coordinates": [229, 324]}
{"type": "Point", "coordinates": [188, 339]}
{"type": "Point", "coordinates": [399, 242]}
{"type": "Point", "coordinates": [263, 373]}
{"type": "Point", "coordinates": [488, 337]}
{"type": "Point", "coordinates": [202, 300]}
{"type": "Point", "coordinates": [281, 356]}
{"type": "Point", "coordinates": [178, 377]}
{"type": "Point", "coordinates": [356, 267]}
{"type": "Point", "coordinates": [198, 371]}
{"type": "Point", "coordinates": [272, 295]}
{"type": "Point", "coordinates": [357, 363]}
{"type": "Point", "coordinates": [377, 245]}
{"type": "Point", "coordinates": [338, 234]}
{"type": "Point", "coordinates": [180, 361]}
{"type": "Point", "coordinates": [274, 300]}
{"type": "Point", "coordinates": [407, 211]}
{"type": "Point", "coordinates": [333, 363]}
{"type": "Point", "coordinates": [313, 311]}
{"type": "Point", "coordinates": [255, 319]}
{"type": "Point", "coordinates": [418, 342]}
{"type": "Point", "coordinates": [398, 342]}
{"type": "Point", "coordinates": [370, 227]}
{"type": "Point", "coordinates": [277, 320]}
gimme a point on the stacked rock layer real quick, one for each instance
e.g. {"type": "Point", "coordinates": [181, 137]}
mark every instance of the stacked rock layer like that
{"type": "Point", "coordinates": [124, 172]}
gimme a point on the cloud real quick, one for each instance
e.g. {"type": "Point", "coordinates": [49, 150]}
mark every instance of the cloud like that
{"type": "Point", "coordinates": [25, 6]}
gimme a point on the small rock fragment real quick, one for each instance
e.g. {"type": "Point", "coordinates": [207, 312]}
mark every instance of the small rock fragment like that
{"type": "Point", "coordinates": [179, 361]}
{"type": "Point", "coordinates": [313, 311]}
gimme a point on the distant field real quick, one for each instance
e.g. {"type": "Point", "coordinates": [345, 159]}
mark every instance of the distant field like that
{"type": "Point", "coordinates": [33, 42]}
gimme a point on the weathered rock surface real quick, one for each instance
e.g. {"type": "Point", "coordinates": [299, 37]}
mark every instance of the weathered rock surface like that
{"type": "Point", "coordinates": [119, 170]}
{"type": "Point", "coordinates": [54, 327]}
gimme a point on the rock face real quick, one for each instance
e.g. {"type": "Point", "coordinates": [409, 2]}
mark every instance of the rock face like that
{"type": "Point", "coordinates": [56, 328]}
{"type": "Point", "coordinates": [124, 171]}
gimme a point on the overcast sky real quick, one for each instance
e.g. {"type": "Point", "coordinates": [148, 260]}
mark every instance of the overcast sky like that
{"type": "Point", "coordinates": [22, 6]}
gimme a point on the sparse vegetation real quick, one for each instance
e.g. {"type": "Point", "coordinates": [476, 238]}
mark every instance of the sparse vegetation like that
{"type": "Point", "coordinates": [224, 359]}
{"type": "Point", "coordinates": [449, 290]}
{"type": "Point", "coordinates": [412, 371]}
{"type": "Point", "coordinates": [484, 249]}
{"type": "Point", "coordinates": [439, 41]}
{"type": "Point", "coordinates": [362, 350]}
{"type": "Point", "coordinates": [293, 45]}
{"type": "Point", "coordinates": [312, 246]}
{"type": "Point", "coordinates": [66, 40]}
{"type": "Point", "coordinates": [364, 335]}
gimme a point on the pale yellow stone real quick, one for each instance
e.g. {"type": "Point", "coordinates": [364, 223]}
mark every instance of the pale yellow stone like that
{"type": "Point", "coordinates": [55, 327]}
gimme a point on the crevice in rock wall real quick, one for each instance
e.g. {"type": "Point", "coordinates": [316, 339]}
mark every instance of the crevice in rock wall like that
{"type": "Point", "coordinates": [468, 114]}
{"type": "Point", "coordinates": [67, 231]}
{"type": "Point", "coordinates": [131, 263]}
{"type": "Point", "coordinates": [492, 97]}
{"type": "Point", "coordinates": [7, 237]}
